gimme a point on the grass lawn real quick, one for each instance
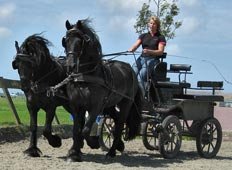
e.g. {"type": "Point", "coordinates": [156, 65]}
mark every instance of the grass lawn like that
{"type": "Point", "coordinates": [7, 117]}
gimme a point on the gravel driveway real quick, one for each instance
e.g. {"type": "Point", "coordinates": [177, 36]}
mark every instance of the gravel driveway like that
{"type": "Point", "coordinates": [134, 157]}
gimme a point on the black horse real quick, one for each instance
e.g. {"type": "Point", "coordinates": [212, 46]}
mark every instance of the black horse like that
{"type": "Point", "coordinates": [98, 86]}
{"type": "Point", "coordinates": [38, 70]}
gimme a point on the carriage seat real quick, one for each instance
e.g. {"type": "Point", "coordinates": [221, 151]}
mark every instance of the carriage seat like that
{"type": "Point", "coordinates": [176, 68]}
{"type": "Point", "coordinates": [210, 84]}
{"type": "Point", "coordinates": [180, 67]}
{"type": "Point", "coordinates": [205, 85]}
{"type": "Point", "coordinates": [159, 72]}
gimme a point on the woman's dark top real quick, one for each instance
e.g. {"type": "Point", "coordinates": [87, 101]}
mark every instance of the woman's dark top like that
{"type": "Point", "coordinates": [151, 42]}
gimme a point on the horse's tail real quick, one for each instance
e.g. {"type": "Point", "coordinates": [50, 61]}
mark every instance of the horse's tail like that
{"type": "Point", "coordinates": [134, 117]}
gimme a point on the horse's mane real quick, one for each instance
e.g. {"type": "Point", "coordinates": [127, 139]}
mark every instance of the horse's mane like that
{"type": "Point", "coordinates": [86, 28]}
{"type": "Point", "coordinates": [37, 46]}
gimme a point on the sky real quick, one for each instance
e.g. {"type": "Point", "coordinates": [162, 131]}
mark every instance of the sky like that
{"type": "Point", "coordinates": [204, 40]}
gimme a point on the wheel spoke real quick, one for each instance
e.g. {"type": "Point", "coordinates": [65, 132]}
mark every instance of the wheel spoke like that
{"type": "Point", "coordinates": [167, 146]}
{"type": "Point", "coordinates": [215, 129]}
{"type": "Point", "coordinates": [212, 145]}
{"type": "Point", "coordinates": [172, 146]}
{"type": "Point", "coordinates": [203, 146]}
{"type": "Point", "coordinates": [107, 139]}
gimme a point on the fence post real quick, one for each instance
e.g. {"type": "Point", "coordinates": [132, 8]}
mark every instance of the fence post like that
{"type": "Point", "coordinates": [10, 102]}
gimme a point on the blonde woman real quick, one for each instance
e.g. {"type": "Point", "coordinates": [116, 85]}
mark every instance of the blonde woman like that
{"type": "Point", "coordinates": [153, 44]}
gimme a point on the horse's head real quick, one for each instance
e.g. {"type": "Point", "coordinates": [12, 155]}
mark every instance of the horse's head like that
{"type": "Point", "coordinates": [29, 58]}
{"type": "Point", "coordinates": [81, 44]}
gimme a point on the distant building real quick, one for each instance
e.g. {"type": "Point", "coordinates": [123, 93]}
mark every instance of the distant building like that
{"type": "Point", "coordinates": [225, 104]}
{"type": "Point", "coordinates": [2, 95]}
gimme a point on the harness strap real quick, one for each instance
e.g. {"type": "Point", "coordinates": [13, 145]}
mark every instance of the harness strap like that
{"type": "Point", "coordinates": [96, 80]}
{"type": "Point", "coordinates": [85, 79]}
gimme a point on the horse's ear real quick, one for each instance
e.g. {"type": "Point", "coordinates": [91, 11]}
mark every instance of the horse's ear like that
{"type": "Point", "coordinates": [68, 25]}
{"type": "Point", "coordinates": [17, 46]}
{"type": "Point", "coordinates": [79, 24]}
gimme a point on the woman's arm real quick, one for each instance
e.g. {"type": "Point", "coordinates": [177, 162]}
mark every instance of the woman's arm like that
{"type": "Point", "coordinates": [157, 52]}
{"type": "Point", "coordinates": [135, 46]}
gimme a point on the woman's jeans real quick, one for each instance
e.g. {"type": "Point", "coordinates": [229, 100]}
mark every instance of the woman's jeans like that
{"type": "Point", "coordinates": [142, 64]}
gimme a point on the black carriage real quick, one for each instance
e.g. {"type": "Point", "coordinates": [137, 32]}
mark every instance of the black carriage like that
{"type": "Point", "coordinates": [172, 110]}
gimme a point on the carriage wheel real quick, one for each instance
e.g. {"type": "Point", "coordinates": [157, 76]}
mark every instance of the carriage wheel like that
{"type": "Point", "coordinates": [150, 136]}
{"type": "Point", "coordinates": [106, 136]}
{"type": "Point", "coordinates": [170, 138]}
{"type": "Point", "coordinates": [209, 139]}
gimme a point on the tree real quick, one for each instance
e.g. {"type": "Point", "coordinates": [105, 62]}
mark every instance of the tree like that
{"type": "Point", "coordinates": [166, 11]}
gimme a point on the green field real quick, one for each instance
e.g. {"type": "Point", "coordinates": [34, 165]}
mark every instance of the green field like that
{"type": "Point", "coordinates": [7, 117]}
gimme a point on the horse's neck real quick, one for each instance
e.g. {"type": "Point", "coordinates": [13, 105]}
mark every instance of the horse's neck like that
{"type": "Point", "coordinates": [51, 72]}
{"type": "Point", "coordinates": [89, 62]}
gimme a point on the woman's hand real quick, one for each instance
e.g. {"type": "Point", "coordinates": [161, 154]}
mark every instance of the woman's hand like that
{"type": "Point", "coordinates": [146, 51]}
{"type": "Point", "coordinates": [130, 50]}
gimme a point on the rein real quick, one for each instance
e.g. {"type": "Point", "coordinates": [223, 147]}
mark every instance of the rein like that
{"type": "Point", "coordinates": [118, 54]}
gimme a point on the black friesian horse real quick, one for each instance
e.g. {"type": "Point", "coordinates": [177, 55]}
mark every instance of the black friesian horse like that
{"type": "Point", "coordinates": [38, 70]}
{"type": "Point", "coordinates": [98, 85]}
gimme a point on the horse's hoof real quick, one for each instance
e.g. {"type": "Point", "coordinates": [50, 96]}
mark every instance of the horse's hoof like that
{"type": "Point", "coordinates": [120, 146]}
{"type": "Point", "coordinates": [33, 152]}
{"type": "Point", "coordinates": [111, 154]}
{"type": "Point", "coordinates": [92, 142]}
{"type": "Point", "coordinates": [55, 141]}
{"type": "Point", "coordinates": [74, 156]}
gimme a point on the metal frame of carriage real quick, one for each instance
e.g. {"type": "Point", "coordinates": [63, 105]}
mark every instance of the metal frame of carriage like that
{"type": "Point", "coordinates": [170, 112]}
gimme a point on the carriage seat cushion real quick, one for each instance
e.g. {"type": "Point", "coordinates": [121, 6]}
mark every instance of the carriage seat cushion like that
{"type": "Point", "coordinates": [168, 84]}
{"type": "Point", "coordinates": [180, 67]}
{"type": "Point", "coordinates": [212, 84]}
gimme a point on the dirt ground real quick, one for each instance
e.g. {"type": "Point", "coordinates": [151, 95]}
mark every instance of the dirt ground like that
{"type": "Point", "coordinates": [136, 156]}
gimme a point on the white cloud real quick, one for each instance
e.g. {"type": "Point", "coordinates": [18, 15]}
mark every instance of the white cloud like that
{"type": "Point", "coordinates": [120, 5]}
{"type": "Point", "coordinates": [4, 32]}
{"type": "Point", "coordinates": [120, 23]}
{"type": "Point", "coordinates": [6, 10]}
{"type": "Point", "coordinates": [189, 3]}
{"type": "Point", "coordinates": [189, 25]}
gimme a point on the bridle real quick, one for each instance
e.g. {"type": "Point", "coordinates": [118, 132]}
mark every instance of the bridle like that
{"type": "Point", "coordinates": [34, 84]}
{"type": "Point", "coordinates": [85, 39]}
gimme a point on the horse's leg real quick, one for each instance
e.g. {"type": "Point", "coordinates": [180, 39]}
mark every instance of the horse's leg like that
{"type": "Point", "coordinates": [74, 153]}
{"type": "Point", "coordinates": [125, 106]}
{"type": "Point", "coordinates": [53, 140]}
{"type": "Point", "coordinates": [82, 121]}
{"type": "Point", "coordinates": [32, 150]}
{"type": "Point", "coordinates": [114, 114]}
{"type": "Point", "coordinates": [92, 141]}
